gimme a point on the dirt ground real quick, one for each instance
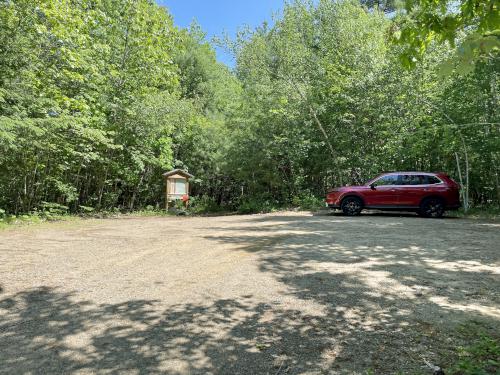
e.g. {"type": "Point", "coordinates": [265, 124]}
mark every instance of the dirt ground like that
{"type": "Point", "coordinates": [284, 293]}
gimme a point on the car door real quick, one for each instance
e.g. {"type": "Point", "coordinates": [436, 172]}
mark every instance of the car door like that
{"type": "Point", "coordinates": [411, 189]}
{"type": "Point", "coordinates": [384, 192]}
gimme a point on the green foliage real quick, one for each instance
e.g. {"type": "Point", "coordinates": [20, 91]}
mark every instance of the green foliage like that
{"type": "Point", "coordinates": [473, 25]}
{"type": "Point", "coordinates": [258, 205]}
{"type": "Point", "coordinates": [98, 98]}
{"type": "Point", "coordinates": [326, 102]}
{"type": "Point", "coordinates": [86, 209]}
{"type": "Point", "coordinates": [480, 358]}
{"type": "Point", "coordinates": [49, 208]}
{"type": "Point", "coordinates": [203, 205]}
{"type": "Point", "coordinates": [308, 201]}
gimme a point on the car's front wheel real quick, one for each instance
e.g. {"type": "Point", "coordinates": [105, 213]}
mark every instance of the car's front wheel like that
{"type": "Point", "coordinates": [432, 207]}
{"type": "Point", "coordinates": [352, 206]}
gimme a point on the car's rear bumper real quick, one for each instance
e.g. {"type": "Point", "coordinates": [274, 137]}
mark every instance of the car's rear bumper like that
{"type": "Point", "coordinates": [453, 207]}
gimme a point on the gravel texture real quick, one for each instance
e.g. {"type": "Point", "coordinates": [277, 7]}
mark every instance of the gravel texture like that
{"type": "Point", "coordinates": [284, 293]}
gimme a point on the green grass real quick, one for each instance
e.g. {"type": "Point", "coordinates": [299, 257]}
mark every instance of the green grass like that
{"type": "Point", "coordinates": [25, 220]}
{"type": "Point", "coordinates": [481, 355]}
{"type": "Point", "coordinates": [480, 358]}
{"type": "Point", "coordinates": [471, 348]}
{"type": "Point", "coordinates": [486, 213]}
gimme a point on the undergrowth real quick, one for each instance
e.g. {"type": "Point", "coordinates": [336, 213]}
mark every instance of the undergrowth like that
{"type": "Point", "coordinates": [201, 206]}
{"type": "Point", "coordinates": [478, 212]}
{"type": "Point", "coordinates": [481, 354]}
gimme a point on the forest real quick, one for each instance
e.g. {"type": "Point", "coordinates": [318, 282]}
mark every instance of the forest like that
{"type": "Point", "coordinates": [98, 98]}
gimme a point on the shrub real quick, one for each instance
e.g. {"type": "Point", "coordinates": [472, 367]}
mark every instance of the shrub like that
{"type": "Point", "coordinates": [50, 209]}
{"type": "Point", "coordinates": [307, 201]}
{"type": "Point", "coordinates": [204, 204]}
{"type": "Point", "coordinates": [86, 210]}
{"type": "Point", "coordinates": [255, 205]}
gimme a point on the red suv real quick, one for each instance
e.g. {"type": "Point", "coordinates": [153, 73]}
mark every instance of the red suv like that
{"type": "Point", "coordinates": [429, 194]}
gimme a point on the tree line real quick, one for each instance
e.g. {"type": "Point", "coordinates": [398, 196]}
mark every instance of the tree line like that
{"type": "Point", "coordinates": [99, 97]}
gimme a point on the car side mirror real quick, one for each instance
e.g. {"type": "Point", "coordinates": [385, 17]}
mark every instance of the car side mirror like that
{"type": "Point", "coordinates": [372, 186]}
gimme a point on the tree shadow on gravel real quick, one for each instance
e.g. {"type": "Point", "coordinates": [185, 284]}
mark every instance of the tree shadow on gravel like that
{"type": "Point", "coordinates": [405, 285]}
{"type": "Point", "coordinates": [384, 297]}
{"type": "Point", "coordinates": [46, 331]}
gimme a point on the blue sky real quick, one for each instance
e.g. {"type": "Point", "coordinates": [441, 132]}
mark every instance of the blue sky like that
{"type": "Point", "coordinates": [217, 16]}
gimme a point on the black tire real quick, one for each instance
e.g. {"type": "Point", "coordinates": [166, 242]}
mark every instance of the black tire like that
{"type": "Point", "coordinates": [432, 207]}
{"type": "Point", "coordinates": [351, 206]}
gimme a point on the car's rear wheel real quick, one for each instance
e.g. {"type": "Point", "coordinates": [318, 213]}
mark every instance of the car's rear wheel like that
{"type": "Point", "coordinates": [352, 206]}
{"type": "Point", "coordinates": [432, 207]}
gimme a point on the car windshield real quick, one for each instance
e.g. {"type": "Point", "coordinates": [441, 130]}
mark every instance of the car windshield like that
{"type": "Point", "coordinates": [370, 181]}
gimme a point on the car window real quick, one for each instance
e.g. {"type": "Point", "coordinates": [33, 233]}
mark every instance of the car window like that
{"type": "Point", "coordinates": [387, 180]}
{"type": "Point", "coordinates": [433, 180]}
{"type": "Point", "coordinates": [411, 179]}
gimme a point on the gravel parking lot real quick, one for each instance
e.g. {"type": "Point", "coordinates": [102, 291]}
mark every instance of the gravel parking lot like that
{"type": "Point", "coordinates": [284, 293]}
